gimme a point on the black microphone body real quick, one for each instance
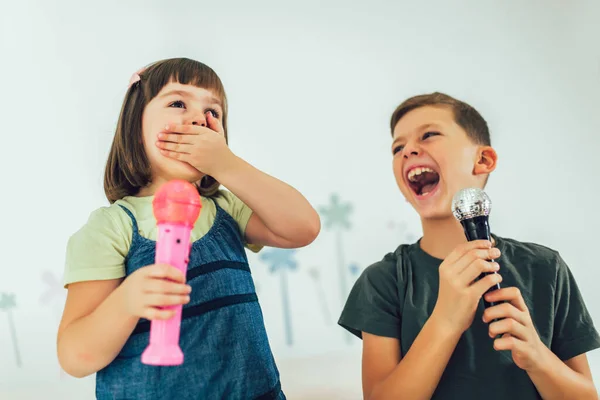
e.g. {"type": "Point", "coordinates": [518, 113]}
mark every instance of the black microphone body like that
{"type": "Point", "coordinates": [478, 228]}
{"type": "Point", "coordinates": [471, 207]}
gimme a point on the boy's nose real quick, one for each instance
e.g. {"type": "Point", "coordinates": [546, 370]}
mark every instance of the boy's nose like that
{"type": "Point", "coordinates": [411, 150]}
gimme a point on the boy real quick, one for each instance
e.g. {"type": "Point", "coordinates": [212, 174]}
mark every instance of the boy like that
{"type": "Point", "coordinates": [419, 311]}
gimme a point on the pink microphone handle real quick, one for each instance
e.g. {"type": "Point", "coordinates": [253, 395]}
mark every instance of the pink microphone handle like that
{"type": "Point", "coordinates": [172, 248]}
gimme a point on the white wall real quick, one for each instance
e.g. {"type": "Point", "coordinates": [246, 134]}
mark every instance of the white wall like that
{"type": "Point", "coordinates": [311, 89]}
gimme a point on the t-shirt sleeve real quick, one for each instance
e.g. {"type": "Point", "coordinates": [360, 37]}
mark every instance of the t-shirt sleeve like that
{"type": "Point", "coordinates": [574, 331]}
{"type": "Point", "coordinates": [373, 305]}
{"type": "Point", "coordinates": [240, 212]}
{"type": "Point", "coordinates": [97, 251]}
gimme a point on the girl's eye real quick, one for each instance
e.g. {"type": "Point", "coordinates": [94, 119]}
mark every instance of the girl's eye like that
{"type": "Point", "coordinates": [397, 149]}
{"type": "Point", "coordinates": [214, 112]}
{"type": "Point", "coordinates": [429, 134]}
{"type": "Point", "coordinates": [177, 104]}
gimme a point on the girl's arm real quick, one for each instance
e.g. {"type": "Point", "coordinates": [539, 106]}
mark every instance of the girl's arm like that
{"type": "Point", "coordinates": [281, 217]}
{"type": "Point", "coordinates": [94, 327]}
{"type": "Point", "coordinates": [387, 375]}
{"type": "Point", "coordinates": [100, 316]}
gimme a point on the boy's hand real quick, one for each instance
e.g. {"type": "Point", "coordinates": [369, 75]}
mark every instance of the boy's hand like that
{"type": "Point", "coordinates": [519, 334]}
{"type": "Point", "coordinates": [459, 293]}
{"type": "Point", "coordinates": [204, 148]}
{"type": "Point", "coordinates": [147, 290]}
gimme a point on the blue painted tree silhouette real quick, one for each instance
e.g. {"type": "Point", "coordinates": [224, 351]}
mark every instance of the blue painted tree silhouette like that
{"type": "Point", "coordinates": [7, 304]}
{"type": "Point", "coordinates": [281, 261]}
{"type": "Point", "coordinates": [354, 269]}
{"type": "Point", "coordinates": [315, 274]}
{"type": "Point", "coordinates": [336, 216]}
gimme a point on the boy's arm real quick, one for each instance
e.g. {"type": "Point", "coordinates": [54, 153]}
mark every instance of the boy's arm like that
{"type": "Point", "coordinates": [386, 375]}
{"type": "Point", "coordinates": [374, 304]}
{"type": "Point", "coordinates": [555, 379]}
{"type": "Point", "coordinates": [564, 371]}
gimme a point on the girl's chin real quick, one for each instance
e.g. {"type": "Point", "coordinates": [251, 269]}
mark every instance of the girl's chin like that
{"type": "Point", "coordinates": [182, 170]}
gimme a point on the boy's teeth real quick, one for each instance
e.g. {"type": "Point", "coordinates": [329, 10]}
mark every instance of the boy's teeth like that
{"type": "Point", "coordinates": [418, 171]}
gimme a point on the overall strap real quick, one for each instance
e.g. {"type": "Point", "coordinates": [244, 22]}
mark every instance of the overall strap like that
{"type": "Point", "coordinates": [133, 221]}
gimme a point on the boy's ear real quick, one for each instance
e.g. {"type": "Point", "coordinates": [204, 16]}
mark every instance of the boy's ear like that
{"type": "Point", "coordinates": [487, 161]}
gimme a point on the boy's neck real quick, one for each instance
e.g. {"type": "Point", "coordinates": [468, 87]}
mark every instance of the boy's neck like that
{"type": "Point", "coordinates": [441, 236]}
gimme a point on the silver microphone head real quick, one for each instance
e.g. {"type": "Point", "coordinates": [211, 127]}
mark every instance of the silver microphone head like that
{"type": "Point", "coordinates": [471, 203]}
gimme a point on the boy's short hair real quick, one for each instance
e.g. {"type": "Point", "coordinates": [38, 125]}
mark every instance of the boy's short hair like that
{"type": "Point", "coordinates": [465, 116]}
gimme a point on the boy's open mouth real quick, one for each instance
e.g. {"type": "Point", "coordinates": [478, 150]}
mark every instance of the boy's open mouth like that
{"type": "Point", "coordinates": [422, 180]}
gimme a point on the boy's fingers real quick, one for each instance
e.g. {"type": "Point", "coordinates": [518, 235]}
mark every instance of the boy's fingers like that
{"type": "Point", "coordinates": [485, 283]}
{"type": "Point", "coordinates": [508, 343]}
{"type": "Point", "coordinates": [463, 249]}
{"type": "Point", "coordinates": [507, 325]}
{"type": "Point", "coordinates": [476, 268]}
{"type": "Point", "coordinates": [475, 255]}
{"type": "Point", "coordinates": [510, 294]}
{"type": "Point", "coordinates": [503, 310]}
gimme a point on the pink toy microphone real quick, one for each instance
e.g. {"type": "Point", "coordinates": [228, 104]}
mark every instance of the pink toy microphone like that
{"type": "Point", "coordinates": [176, 208]}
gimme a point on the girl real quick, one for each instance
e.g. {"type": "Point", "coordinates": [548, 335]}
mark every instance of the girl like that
{"type": "Point", "coordinates": [173, 125]}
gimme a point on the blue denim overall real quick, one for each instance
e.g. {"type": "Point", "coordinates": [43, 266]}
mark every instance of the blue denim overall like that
{"type": "Point", "coordinates": [223, 337]}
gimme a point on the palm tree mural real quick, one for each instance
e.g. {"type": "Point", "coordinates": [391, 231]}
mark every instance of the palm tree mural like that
{"type": "Point", "coordinates": [281, 261]}
{"type": "Point", "coordinates": [354, 269]}
{"type": "Point", "coordinates": [7, 304]}
{"type": "Point", "coordinates": [315, 274]}
{"type": "Point", "coordinates": [336, 216]}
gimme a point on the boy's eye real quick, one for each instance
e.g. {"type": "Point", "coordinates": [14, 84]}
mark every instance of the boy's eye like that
{"type": "Point", "coordinates": [429, 134]}
{"type": "Point", "coordinates": [177, 104]}
{"type": "Point", "coordinates": [214, 112]}
{"type": "Point", "coordinates": [397, 149]}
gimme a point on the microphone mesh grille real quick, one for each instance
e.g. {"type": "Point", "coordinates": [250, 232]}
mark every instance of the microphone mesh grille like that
{"type": "Point", "coordinates": [471, 203]}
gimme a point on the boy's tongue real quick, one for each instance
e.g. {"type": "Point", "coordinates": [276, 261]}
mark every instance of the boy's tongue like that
{"type": "Point", "coordinates": [428, 188]}
{"type": "Point", "coordinates": [426, 182]}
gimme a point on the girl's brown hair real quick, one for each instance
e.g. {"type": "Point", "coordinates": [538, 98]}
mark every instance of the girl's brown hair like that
{"type": "Point", "coordinates": [127, 168]}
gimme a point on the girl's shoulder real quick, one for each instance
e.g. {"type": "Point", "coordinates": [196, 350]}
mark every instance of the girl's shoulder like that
{"type": "Point", "coordinates": [112, 217]}
{"type": "Point", "coordinates": [97, 250]}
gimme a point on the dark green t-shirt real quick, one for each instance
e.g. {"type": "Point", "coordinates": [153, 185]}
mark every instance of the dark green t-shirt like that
{"type": "Point", "coordinates": [395, 296]}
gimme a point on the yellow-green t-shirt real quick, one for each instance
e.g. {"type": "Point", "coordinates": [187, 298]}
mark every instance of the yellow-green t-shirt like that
{"type": "Point", "coordinates": [97, 251]}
